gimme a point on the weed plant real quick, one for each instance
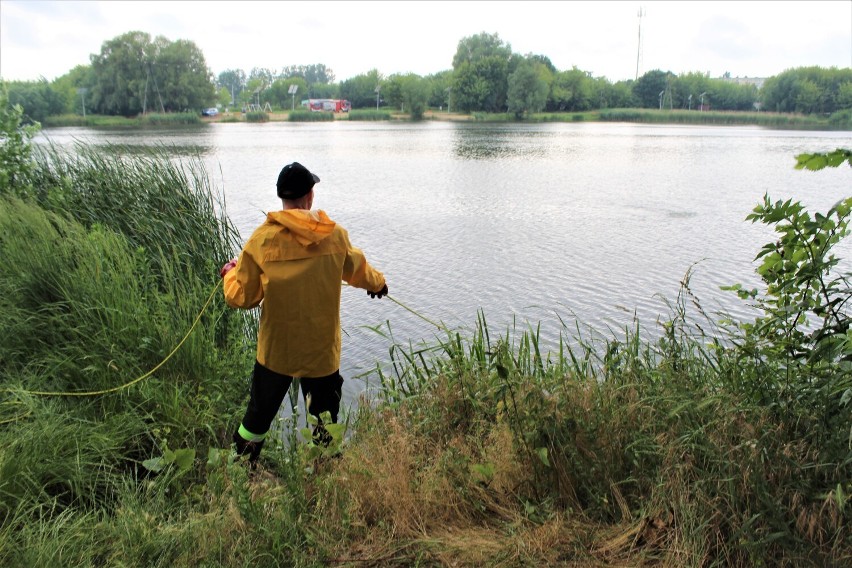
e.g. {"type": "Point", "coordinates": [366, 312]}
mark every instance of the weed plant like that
{"type": "Point", "coordinates": [369, 114]}
{"type": "Point", "coordinates": [710, 446]}
{"type": "Point", "coordinates": [257, 116]}
{"type": "Point", "coordinates": [710, 117]}
{"type": "Point", "coordinates": [170, 118]}
{"type": "Point", "coordinates": [309, 116]}
{"type": "Point", "coordinates": [91, 120]}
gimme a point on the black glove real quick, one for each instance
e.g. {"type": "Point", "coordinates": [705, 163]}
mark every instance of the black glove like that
{"type": "Point", "coordinates": [380, 293]}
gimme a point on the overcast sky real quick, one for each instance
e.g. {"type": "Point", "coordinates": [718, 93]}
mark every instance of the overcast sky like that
{"type": "Point", "coordinates": [747, 39]}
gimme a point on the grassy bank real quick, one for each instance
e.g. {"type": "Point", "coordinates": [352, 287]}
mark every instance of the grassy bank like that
{"type": "Point", "coordinates": [710, 446]}
{"type": "Point", "coordinates": [725, 118]}
{"type": "Point", "coordinates": [101, 121]}
{"type": "Point", "coordinates": [837, 121]}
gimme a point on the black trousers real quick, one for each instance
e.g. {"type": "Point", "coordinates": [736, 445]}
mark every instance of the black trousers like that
{"type": "Point", "coordinates": [269, 388]}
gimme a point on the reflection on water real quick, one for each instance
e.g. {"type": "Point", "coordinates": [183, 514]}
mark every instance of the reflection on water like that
{"type": "Point", "coordinates": [567, 225]}
{"type": "Point", "coordinates": [486, 142]}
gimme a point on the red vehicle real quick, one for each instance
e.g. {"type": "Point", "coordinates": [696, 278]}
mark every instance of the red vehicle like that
{"type": "Point", "coordinates": [333, 105]}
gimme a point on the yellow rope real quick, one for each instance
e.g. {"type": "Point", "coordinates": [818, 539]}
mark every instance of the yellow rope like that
{"type": "Point", "coordinates": [421, 316]}
{"type": "Point", "coordinates": [397, 302]}
{"type": "Point", "coordinates": [137, 379]}
{"type": "Point", "coordinates": [178, 346]}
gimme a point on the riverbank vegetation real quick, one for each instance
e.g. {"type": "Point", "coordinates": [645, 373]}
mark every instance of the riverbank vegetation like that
{"type": "Point", "coordinates": [721, 443]}
{"type": "Point", "coordinates": [106, 121]}
{"type": "Point", "coordinates": [487, 78]}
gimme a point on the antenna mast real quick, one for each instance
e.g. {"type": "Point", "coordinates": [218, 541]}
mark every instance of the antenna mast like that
{"type": "Point", "coordinates": [639, 45]}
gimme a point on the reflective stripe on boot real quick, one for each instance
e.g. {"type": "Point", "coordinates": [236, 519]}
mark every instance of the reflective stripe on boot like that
{"type": "Point", "coordinates": [244, 447]}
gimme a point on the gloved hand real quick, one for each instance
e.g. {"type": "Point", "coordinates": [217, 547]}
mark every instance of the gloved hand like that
{"type": "Point", "coordinates": [228, 266]}
{"type": "Point", "coordinates": [380, 293]}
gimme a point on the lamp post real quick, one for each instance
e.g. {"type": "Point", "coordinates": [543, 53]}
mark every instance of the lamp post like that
{"type": "Point", "coordinates": [689, 99]}
{"type": "Point", "coordinates": [702, 100]}
{"type": "Point", "coordinates": [82, 91]}
{"type": "Point", "coordinates": [378, 88]}
{"type": "Point", "coordinates": [449, 99]}
{"type": "Point", "coordinates": [661, 99]}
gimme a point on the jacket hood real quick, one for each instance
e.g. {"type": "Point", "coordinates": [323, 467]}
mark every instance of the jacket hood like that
{"type": "Point", "coordinates": [307, 227]}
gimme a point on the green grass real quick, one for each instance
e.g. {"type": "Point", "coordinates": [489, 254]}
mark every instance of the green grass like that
{"type": "Point", "coordinates": [171, 118]}
{"type": "Point", "coordinates": [257, 116]}
{"type": "Point", "coordinates": [101, 121]}
{"type": "Point", "coordinates": [480, 448]}
{"type": "Point", "coordinates": [724, 118]}
{"type": "Point", "coordinates": [310, 116]}
{"type": "Point", "coordinates": [369, 114]}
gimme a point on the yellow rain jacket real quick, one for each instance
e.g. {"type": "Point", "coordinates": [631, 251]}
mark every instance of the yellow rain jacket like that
{"type": "Point", "coordinates": [294, 263]}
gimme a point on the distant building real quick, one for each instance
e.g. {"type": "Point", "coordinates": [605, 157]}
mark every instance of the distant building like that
{"type": "Point", "coordinates": [756, 81]}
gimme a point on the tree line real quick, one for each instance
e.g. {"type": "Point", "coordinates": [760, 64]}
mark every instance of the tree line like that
{"type": "Point", "coordinates": [136, 74]}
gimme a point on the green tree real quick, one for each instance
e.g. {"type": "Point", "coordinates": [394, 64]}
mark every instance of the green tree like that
{"type": "Point", "coordinates": [410, 92]}
{"type": "Point", "coordinates": [808, 97]}
{"type": "Point", "coordinates": [121, 75]}
{"type": "Point", "coordinates": [37, 99]}
{"type": "Point", "coordinates": [527, 89]}
{"type": "Point", "coordinates": [481, 46]}
{"type": "Point", "coordinates": [234, 80]}
{"type": "Point", "coordinates": [648, 87]}
{"type": "Point", "coordinates": [16, 163]}
{"type": "Point", "coordinates": [223, 99]}
{"type": "Point", "coordinates": [75, 86]}
{"type": "Point", "coordinates": [688, 88]}
{"type": "Point", "coordinates": [360, 90]}
{"type": "Point", "coordinates": [572, 91]}
{"type": "Point", "coordinates": [133, 74]}
{"type": "Point", "coordinates": [314, 73]}
{"type": "Point", "coordinates": [844, 96]}
{"type": "Point", "coordinates": [805, 320]}
{"type": "Point", "coordinates": [323, 91]}
{"type": "Point", "coordinates": [793, 90]}
{"type": "Point", "coordinates": [481, 73]}
{"type": "Point", "coordinates": [620, 95]}
{"type": "Point", "coordinates": [439, 88]}
{"type": "Point", "coordinates": [278, 94]}
{"type": "Point", "coordinates": [182, 76]}
{"type": "Point", "coordinates": [469, 90]}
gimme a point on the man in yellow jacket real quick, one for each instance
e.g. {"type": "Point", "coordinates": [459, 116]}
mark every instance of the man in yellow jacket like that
{"type": "Point", "coordinates": [292, 266]}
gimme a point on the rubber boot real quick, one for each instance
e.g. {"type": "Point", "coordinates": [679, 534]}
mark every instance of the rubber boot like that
{"type": "Point", "coordinates": [251, 449]}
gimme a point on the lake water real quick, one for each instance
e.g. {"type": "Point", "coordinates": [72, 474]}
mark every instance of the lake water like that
{"type": "Point", "coordinates": [556, 224]}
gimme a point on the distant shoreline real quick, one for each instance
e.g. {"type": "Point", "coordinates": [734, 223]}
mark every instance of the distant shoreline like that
{"type": "Point", "coordinates": [643, 116]}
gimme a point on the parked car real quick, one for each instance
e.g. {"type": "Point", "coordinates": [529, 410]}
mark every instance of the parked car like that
{"type": "Point", "coordinates": [209, 112]}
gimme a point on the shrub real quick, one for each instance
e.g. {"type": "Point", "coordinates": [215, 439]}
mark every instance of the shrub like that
{"type": "Point", "coordinates": [309, 116]}
{"type": "Point", "coordinates": [257, 116]}
{"type": "Point", "coordinates": [369, 114]}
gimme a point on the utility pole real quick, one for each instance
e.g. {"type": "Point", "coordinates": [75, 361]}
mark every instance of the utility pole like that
{"type": "Point", "coordinates": [82, 91]}
{"type": "Point", "coordinates": [639, 44]}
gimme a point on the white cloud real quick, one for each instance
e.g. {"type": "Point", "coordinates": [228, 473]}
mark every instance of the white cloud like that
{"type": "Point", "coordinates": [39, 38]}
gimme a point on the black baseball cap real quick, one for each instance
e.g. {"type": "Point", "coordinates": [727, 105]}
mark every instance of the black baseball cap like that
{"type": "Point", "coordinates": [295, 181]}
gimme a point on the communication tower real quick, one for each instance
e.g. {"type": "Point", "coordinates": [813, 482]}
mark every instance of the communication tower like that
{"type": "Point", "coordinates": [642, 13]}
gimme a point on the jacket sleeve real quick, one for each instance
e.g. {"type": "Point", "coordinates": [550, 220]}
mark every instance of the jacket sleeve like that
{"type": "Point", "coordinates": [243, 287]}
{"type": "Point", "coordinates": [358, 272]}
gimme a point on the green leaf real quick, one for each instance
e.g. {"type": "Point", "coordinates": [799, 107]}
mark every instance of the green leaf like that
{"type": "Point", "coordinates": [184, 458]}
{"type": "Point", "coordinates": [154, 464]}
{"type": "Point", "coordinates": [542, 455]}
{"type": "Point", "coordinates": [840, 497]}
{"type": "Point", "coordinates": [214, 457]}
{"type": "Point", "coordinates": [336, 430]}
